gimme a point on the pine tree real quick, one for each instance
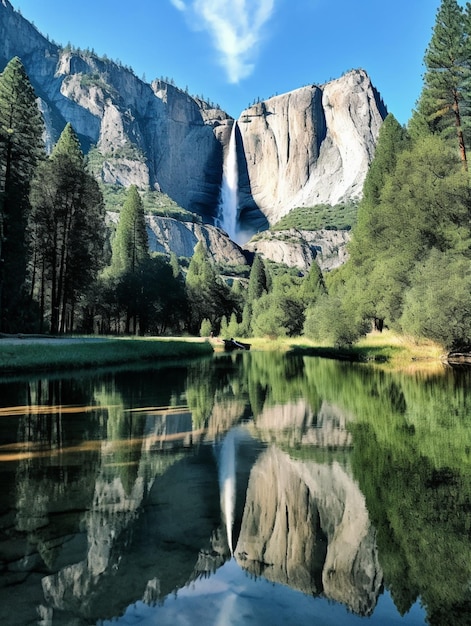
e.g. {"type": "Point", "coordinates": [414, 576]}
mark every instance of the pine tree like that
{"type": "Point", "coordinates": [67, 229]}
{"type": "Point", "coordinates": [130, 261]}
{"type": "Point", "coordinates": [130, 246]}
{"type": "Point", "coordinates": [392, 140]}
{"type": "Point", "coordinates": [21, 147]}
{"type": "Point", "coordinates": [209, 297]}
{"type": "Point", "coordinates": [257, 279]}
{"type": "Point", "coordinates": [312, 286]}
{"type": "Point", "coordinates": [444, 102]}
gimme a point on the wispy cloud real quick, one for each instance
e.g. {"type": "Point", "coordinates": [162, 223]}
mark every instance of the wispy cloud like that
{"type": "Point", "coordinates": [178, 4]}
{"type": "Point", "coordinates": [236, 29]}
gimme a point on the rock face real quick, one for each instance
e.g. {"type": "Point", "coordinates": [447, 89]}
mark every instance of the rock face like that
{"type": "Point", "coordinates": [170, 235]}
{"type": "Point", "coordinates": [307, 147]}
{"type": "Point", "coordinates": [167, 235]}
{"type": "Point", "coordinates": [153, 136]}
{"type": "Point", "coordinates": [310, 146]}
{"type": "Point", "coordinates": [300, 248]}
{"type": "Point", "coordinates": [306, 525]}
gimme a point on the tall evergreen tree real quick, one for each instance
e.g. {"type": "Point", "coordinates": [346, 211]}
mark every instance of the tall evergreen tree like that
{"type": "Point", "coordinates": [21, 146]}
{"type": "Point", "coordinates": [312, 286]}
{"type": "Point", "coordinates": [258, 286]}
{"type": "Point", "coordinates": [392, 140]}
{"type": "Point", "coordinates": [445, 99]}
{"type": "Point", "coordinates": [130, 261]}
{"type": "Point", "coordinates": [67, 229]}
{"type": "Point", "coordinates": [257, 279]}
{"type": "Point", "coordinates": [209, 297]}
{"type": "Point", "coordinates": [130, 246]}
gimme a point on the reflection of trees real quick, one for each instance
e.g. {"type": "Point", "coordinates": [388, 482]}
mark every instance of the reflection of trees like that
{"type": "Point", "coordinates": [52, 491]}
{"type": "Point", "coordinates": [86, 467]}
{"type": "Point", "coordinates": [411, 456]}
{"type": "Point", "coordinates": [201, 387]}
{"type": "Point", "coordinates": [88, 516]}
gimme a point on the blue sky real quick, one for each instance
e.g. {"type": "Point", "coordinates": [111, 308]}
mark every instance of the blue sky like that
{"type": "Point", "coordinates": [235, 51]}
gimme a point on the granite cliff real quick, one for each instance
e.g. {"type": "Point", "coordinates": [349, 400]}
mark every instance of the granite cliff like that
{"type": "Point", "coordinates": [151, 135]}
{"type": "Point", "coordinates": [310, 146]}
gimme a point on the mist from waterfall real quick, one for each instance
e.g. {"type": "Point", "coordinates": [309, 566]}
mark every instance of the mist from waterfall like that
{"type": "Point", "coordinates": [229, 200]}
{"type": "Point", "coordinates": [227, 483]}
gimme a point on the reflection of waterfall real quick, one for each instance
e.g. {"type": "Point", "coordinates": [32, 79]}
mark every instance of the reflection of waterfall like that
{"type": "Point", "coordinates": [227, 482]}
{"type": "Point", "coordinates": [229, 201]}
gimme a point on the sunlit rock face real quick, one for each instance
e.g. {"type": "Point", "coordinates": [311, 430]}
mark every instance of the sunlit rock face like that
{"type": "Point", "coordinates": [151, 135]}
{"type": "Point", "coordinates": [306, 525]}
{"type": "Point", "coordinates": [301, 248]}
{"type": "Point", "coordinates": [170, 235]}
{"type": "Point", "coordinates": [307, 147]}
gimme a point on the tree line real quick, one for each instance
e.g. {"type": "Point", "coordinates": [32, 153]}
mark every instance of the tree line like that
{"type": "Point", "coordinates": [58, 271]}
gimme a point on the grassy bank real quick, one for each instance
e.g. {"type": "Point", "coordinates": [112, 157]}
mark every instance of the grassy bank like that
{"type": "Point", "coordinates": [32, 355]}
{"type": "Point", "coordinates": [39, 354]}
{"type": "Point", "coordinates": [387, 348]}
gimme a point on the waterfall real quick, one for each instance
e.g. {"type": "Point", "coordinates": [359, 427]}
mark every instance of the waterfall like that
{"type": "Point", "coordinates": [229, 201]}
{"type": "Point", "coordinates": [227, 483]}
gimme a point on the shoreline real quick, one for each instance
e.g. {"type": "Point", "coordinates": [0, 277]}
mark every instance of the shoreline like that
{"type": "Point", "coordinates": [42, 353]}
{"type": "Point", "coordinates": [36, 354]}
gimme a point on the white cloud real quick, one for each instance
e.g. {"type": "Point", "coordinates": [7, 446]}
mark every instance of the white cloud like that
{"type": "Point", "coordinates": [235, 27]}
{"type": "Point", "coordinates": [178, 4]}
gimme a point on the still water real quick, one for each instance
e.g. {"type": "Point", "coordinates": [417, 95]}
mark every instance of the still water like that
{"type": "Point", "coordinates": [240, 489]}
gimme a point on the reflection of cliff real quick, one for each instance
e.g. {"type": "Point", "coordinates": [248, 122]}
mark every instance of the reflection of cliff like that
{"type": "Point", "coordinates": [306, 525]}
{"type": "Point", "coordinates": [142, 543]}
{"type": "Point", "coordinates": [295, 423]}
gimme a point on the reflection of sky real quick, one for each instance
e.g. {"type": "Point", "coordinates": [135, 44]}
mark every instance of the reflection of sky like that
{"type": "Point", "coordinates": [230, 597]}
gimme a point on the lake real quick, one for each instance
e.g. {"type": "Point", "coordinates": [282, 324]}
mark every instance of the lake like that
{"type": "Point", "coordinates": [249, 488]}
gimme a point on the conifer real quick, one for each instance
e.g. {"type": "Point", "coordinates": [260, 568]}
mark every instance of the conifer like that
{"type": "Point", "coordinates": [21, 147]}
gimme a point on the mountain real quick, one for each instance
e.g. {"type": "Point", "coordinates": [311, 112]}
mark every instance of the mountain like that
{"type": "Point", "coordinates": [152, 135]}
{"type": "Point", "coordinates": [310, 146]}
{"type": "Point", "coordinates": [307, 147]}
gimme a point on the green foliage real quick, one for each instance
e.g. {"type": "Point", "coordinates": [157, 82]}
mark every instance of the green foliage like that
{"type": "Point", "coordinates": [205, 328]}
{"type": "Point", "coordinates": [67, 232]}
{"type": "Point", "coordinates": [154, 202]}
{"type": "Point", "coordinates": [130, 244]}
{"type": "Point", "coordinates": [21, 147]}
{"type": "Point", "coordinates": [233, 328]}
{"type": "Point", "coordinates": [209, 297]}
{"type": "Point", "coordinates": [423, 205]}
{"type": "Point", "coordinates": [223, 327]}
{"type": "Point", "coordinates": [392, 140]}
{"type": "Point", "coordinates": [95, 79]}
{"type": "Point", "coordinates": [438, 305]}
{"type": "Point", "coordinates": [337, 217]}
{"type": "Point", "coordinates": [280, 312]}
{"type": "Point", "coordinates": [312, 286]}
{"type": "Point", "coordinates": [257, 280]}
{"type": "Point", "coordinates": [328, 321]}
{"type": "Point", "coordinates": [445, 99]}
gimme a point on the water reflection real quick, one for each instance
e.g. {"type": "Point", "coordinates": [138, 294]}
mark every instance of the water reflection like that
{"type": "Point", "coordinates": [187, 489]}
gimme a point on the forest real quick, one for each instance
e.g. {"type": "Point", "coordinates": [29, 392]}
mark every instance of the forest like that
{"type": "Point", "coordinates": [63, 269]}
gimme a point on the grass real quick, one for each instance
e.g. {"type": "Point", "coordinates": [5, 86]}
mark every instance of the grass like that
{"type": "Point", "coordinates": [387, 349]}
{"type": "Point", "coordinates": [337, 217]}
{"type": "Point", "coordinates": [50, 355]}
